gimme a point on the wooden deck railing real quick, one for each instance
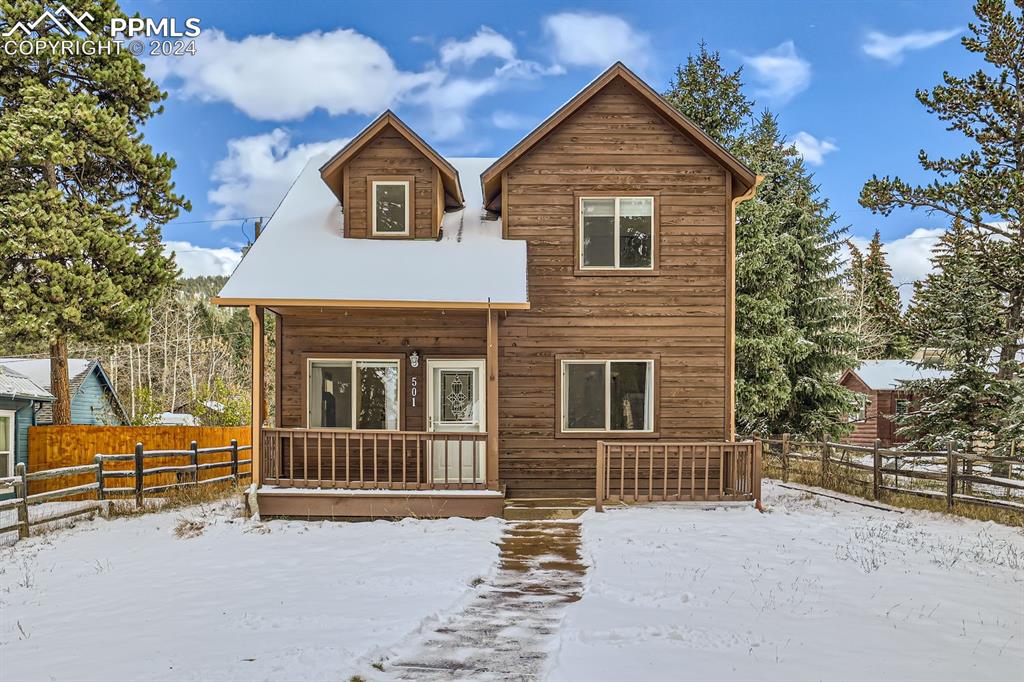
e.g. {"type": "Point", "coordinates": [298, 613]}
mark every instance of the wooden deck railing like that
{"type": "Point", "coordinates": [679, 472]}
{"type": "Point", "coordinates": [395, 460]}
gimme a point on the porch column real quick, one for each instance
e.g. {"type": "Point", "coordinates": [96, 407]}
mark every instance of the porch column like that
{"type": "Point", "coordinates": [256, 418]}
{"type": "Point", "coordinates": [492, 399]}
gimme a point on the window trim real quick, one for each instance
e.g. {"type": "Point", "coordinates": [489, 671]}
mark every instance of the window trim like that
{"type": "Point", "coordinates": [896, 406]}
{"type": "Point", "coordinates": [409, 182]}
{"type": "Point", "coordinates": [331, 358]}
{"type": "Point", "coordinates": [12, 433]}
{"type": "Point", "coordinates": [560, 395]}
{"type": "Point", "coordinates": [580, 270]}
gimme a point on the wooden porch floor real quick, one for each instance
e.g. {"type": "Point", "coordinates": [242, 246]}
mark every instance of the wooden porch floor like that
{"type": "Point", "coordinates": [353, 504]}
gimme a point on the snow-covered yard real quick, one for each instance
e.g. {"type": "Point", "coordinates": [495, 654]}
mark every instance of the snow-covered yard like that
{"type": "Point", "coordinates": [128, 600]}
{"type": "Point", "coordinates": [814, 590]}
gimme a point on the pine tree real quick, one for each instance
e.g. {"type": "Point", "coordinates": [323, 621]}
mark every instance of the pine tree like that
{"type": "Point", "coordinates": [883, 303]}
{"type": "Point", "coordinates": [983, 187]}
{"type": "Point", "coordinates": [791, 313]}
{"type": "Point", "coordinates": [954, 310]}
{"type": "Point", "coordinates": [82, 196]}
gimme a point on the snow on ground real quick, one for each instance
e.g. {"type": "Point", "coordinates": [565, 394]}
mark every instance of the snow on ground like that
{"type": "Point", "coordinates": [817, 589]}
{"type": "Point", "coordinates": [126, 599]}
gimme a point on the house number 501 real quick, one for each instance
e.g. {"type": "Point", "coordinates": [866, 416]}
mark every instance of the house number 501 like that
{"type": "Point", "coordinates": [413, 390]}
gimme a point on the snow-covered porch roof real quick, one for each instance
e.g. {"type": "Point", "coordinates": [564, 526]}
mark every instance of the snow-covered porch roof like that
{"type": "Point", "coordinates": [302, 259]}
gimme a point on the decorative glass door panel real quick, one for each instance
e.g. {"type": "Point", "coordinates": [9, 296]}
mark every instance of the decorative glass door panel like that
{"type": "Point", "coordinates": [456, 405]}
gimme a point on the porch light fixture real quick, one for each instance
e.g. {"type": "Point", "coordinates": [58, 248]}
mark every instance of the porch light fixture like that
{"type": "Point", "coordinates": [414, 359]}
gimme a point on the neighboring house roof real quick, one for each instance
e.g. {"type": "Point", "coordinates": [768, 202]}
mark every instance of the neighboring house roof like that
{"type": "Point", "coordinates": [38, 370]}
{"type": "Point", "coordinates": [301, 258]}
{"type": "Point", "coordinates": [331, 170]}
{"type": "Point", "coordinates": [16, 385]}
{"type": "Point", "coordinates": [176, 419]}
{"type": "Point", "coordinates": [888, 375]}
{"type": "Point", "coordinates": [745, 179]}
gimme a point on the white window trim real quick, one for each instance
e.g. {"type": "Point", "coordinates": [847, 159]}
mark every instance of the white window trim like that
{"type": "Point", "coordinates": [354, 361]}
{"type": "Point", "coordinates": [11, 444]}
{"type": "Point", "coordinates": [648, 397]}
{"type": "Point", "coordinates": [617, 245]}
{"type": "Point", "coordinates": [373, 205]}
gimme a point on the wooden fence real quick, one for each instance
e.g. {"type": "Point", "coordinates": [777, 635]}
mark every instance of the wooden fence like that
{"type": "Point", "coordinates": [111, 467]}
{"type": "Point", "coordinates": [656, 471]}
{"type": "Point", "coordinates": [59, 447]}
{"type": "Point", "coordinates": [955, 477]}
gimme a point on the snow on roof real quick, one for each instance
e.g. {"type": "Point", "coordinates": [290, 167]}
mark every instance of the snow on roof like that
{"type": "Point", "coordinates": [301, 255]}
{"type": "Point", "coordinates": [885, 375]}
{"type": "Point", "coordinates": [176, 419]}
{"type": "Point", "coordinates": [16, 385]}
{"type": "Point", "coordinates": [38, 369]}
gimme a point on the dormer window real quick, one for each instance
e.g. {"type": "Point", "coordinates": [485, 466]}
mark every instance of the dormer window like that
{"type": "Point", "coordinates": [390, 215]}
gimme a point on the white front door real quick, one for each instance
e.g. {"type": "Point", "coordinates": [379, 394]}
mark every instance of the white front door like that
{"type": "Point", "coordinates": [455, 404]}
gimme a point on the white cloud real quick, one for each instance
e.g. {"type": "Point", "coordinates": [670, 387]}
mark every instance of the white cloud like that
{"type": "Point", "coordinates": [584, 39]}
{"type": "Point", "coordinates": [909, 257]}
{"type": "Point", "coordinates": [891, 48]}
{"type": "Point", "coordinates": [341, 72]}
{"type": "Point", "coordinates": [258, 170]}
{"type": "Point", "coordinates": [277, 79]}
{"type": "Point", "coordinates": [198, 260]}
{"type": "Point", "coordinates": [486, 43]}
{"type": "Point", "coordinates": [509, 120]}
{"type": "Point", "coordinates": [812, 149]}
{"type": "Point", "coordinates": [780, 71]}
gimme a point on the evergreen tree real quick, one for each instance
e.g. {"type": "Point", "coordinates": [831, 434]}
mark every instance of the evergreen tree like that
{"type": "Point", "coordinates": [983, 187]}
{"type": "Point", "coordinates": [883, 303]}
{"type": "Point", "coordinates": [791, 312]}
{"type": "Point", "coordinates": [954, 310]}
{"type": "Point", "coordinates": [82, 196]}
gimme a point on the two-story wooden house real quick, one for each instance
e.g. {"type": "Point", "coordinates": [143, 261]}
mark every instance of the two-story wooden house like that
{"type": "Point", "coordinates": [454, 331]}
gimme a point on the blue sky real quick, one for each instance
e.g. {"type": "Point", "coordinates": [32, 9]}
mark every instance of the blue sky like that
{"type": "Point", "coordinates": [275, 82]}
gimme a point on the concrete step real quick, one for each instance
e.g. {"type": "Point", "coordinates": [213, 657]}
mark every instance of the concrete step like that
{"type": "Point", "coordinates": [513, 513]}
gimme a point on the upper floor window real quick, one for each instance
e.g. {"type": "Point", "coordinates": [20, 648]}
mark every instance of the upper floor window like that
{"type": "Point", "coordinates": [902, 406]}
{"type": "Point", "coordinates": [390, 207]}
{"type": "Point", "coordinates": [616, 233]}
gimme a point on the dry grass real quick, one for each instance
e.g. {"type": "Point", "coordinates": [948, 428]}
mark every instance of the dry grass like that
{"type": "Point", "coordinates": [177, 498]}
{"type": "Point", "coordinates": [189, 528]}
{"type": "Point", "coordinates": [858, 484]}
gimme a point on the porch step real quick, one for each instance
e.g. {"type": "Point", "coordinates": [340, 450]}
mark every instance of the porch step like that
{"type": "Point", "coordinates": [552, 509]}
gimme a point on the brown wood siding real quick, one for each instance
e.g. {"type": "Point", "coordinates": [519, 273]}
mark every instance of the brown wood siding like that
{"type": "Point", "coordinates": [864, 432]}
{"type": "Point", "coordinates": [390, 155]}
{"type": "Point", "coordinates": [375, 333]}
{"type": "Point", "coordinates": [615, 142]}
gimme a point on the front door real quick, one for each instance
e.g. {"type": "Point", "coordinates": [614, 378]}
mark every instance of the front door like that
{"type": "Point", "coordinates": [455, 404]}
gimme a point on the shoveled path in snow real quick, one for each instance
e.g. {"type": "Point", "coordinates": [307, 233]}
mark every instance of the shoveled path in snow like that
{"type": "Point", "coordinates": [507, 631]}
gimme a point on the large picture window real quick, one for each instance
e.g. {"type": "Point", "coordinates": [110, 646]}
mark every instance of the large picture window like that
{"type": "Point", "coordinates": [390, 204]}
{"type": "Point", "coordinates": [616, 233]}
{"type": "Point", "coordinates": [354, 394]}
{"type": "Point", "coordinates": [607, 395]}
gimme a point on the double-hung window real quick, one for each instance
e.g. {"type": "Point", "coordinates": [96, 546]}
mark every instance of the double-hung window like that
{"type": "Point", "coordinates": [354, 394]}
{"type": "Point", "coordinates": [6, 446]}
{"type": "Point", "coordinates": [607, 395]}
{"type": "Point", "coordinates": [390, 207]}
{"type": "Point", "coordinates": [616, 233]}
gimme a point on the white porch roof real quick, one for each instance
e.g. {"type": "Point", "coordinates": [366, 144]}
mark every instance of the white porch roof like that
{"type": "Point", "coordinates": [301, 256]}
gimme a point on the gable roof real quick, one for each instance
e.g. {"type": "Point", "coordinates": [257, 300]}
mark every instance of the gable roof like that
{"type": "Point", "coordinates": [302, 259]}
{"type": "Point", "coordinates": [889, 375]}
{"type": "Point", "coordinates": [745, 178]}
{"type": "Point", "coordinates": [330, 171]}
{"type": "Point", "coordinates": [16, 385]}
{"type": "Point", "coordinates": [79, 369]}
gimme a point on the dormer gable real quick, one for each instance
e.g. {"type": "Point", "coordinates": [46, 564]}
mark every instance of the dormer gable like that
{"type": "Point", "coordinates": [391, 184]}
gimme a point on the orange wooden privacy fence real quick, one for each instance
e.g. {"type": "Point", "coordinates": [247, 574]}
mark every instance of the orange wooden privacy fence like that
{"type": "Point", "coordinates": [659, 472]}
{"type": "Point", "coordinates": [56, 447]}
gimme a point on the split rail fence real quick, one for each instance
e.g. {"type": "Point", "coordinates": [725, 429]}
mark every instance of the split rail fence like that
{"type": "Point", "coordinates": [130, 470]}
{"type": "Point", "coordinates": [954, 477]}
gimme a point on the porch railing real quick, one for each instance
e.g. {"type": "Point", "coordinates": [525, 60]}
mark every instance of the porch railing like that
{"type": "Point", "coordinates": [678, 472]}
{"type": "Point", "coordinates": [396, 460]}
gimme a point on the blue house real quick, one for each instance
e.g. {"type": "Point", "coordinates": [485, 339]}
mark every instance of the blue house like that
{"type": "Point", "coordinates": [20, 401]}
{"type": "Point", "coordinates": [93, 400]}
